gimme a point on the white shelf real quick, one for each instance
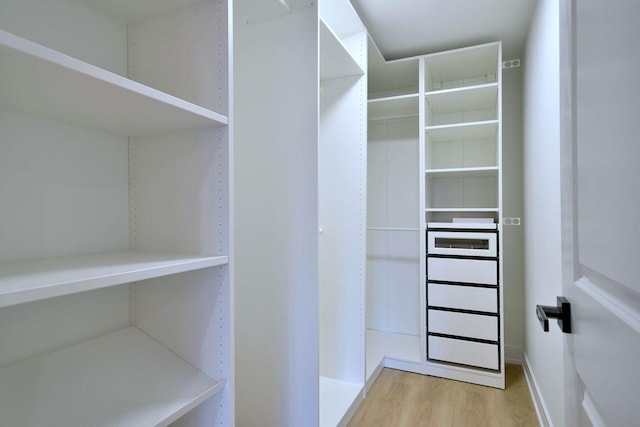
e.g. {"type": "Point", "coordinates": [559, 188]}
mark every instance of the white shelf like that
{"type": "Point", "coordinates": [22, 282]}
{"type": "Point", "coordinates": [124, 378]}
{"type": "Point", "coordinates": [393, 107]}
{"type": "Point", "coordinates": [457, 67]}
{"type": "Point", "coordinates": [468, 98]}
{"type": "Point", "coordinates": [392, 229]}
{"type": "Point", "coordinates": [134, 11]}
{"type": "Point", "coordinates": [461, 210]}
{"type": "Point", "coordinates": [336, 399]}
{"type": "Point", "coordinates": [463, 131]}
{"type": "Point", "coordinates": [467, 225]}
{"type": "Point", "coordinates": [463, 172]}
{"type": "Point", "coordinates": [335, 60]}
{"type": "Point", "coordinates": [42, 82]}
{"type": "Point", "coordinates": [392, 345]}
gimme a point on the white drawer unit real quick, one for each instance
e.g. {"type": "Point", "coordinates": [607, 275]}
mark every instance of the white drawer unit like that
{"type": "Point", "coordinates": [463, 297]}
{"type": "Point", "coordinates": [464, 352]}
{"type": "Point", "coordinates": [462, 243]}
{"type": "Point", "coordinates": [460, 270]}
{"type": "Point", "coordinates": [463, 325]}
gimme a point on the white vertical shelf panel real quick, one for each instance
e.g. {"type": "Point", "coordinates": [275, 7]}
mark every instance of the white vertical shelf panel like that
{"type": "Point", "coordinates": [88, 96]}
{"type": "Point", "coordinates": [22, 282]}
{"type": "Point", "coordinates": [124, 378]}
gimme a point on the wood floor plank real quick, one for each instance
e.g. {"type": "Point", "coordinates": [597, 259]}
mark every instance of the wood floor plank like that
{"type": "Point", "coordinates": [403, 399]}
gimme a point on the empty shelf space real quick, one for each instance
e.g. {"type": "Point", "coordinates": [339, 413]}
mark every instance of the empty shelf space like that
{"type": "Point", "coordinates": [39, 81]}
{"type": "Point", "coordinates": [463, 172]}
{"type": "Point", "coordinates": [393, 345]}
{"type": "Point", "coordinates": [335, 59]}
{"type": "Point", "coordinates": [462, 67]}
{"type": "Point", "coordinates": [337, 399]}
{"type": "Point", "coordinates": [27, 281]}
{"type": "Point", "coordinates": [477, 97]}
{"type": "Point", "coordinates": [463, 131]}
{"type": "Point", "coordinates": [124, 378]}
{"type": "Point", "coordinates": [393, 107]}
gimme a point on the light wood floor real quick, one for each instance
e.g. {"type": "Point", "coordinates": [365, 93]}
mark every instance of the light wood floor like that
{"type": "Point", "coordinates": [403, 399]}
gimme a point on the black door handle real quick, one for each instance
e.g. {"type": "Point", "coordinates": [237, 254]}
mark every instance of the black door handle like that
{"type": "Point", "coordinates": [562, 312]}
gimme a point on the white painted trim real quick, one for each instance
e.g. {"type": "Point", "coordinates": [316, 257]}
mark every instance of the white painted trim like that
{"type": "Point", "coordinates": [403, 365]}
{"type": "Point", "coordinates": [626, 313]}
{"type": "Point", "coordinates": [536, 396]}
{"type": "Point", "coordinates": [513, 354]}
{"type": "Point", "coordinates": [374, 376]}
{"type": "Point", "coordinates": [592, 412]}
{"type": "Point", "coordinates": [346, 418]}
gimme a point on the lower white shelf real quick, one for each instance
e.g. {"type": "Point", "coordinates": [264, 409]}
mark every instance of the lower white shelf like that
{"type": "Point", "coordinates": [381, 344]}
{"type": "Point", "coordinates": [124, 378]}
{"type": "Point", "coordinates": [337, 398]}
{"type": "Point", "coordinates": [27, 281]}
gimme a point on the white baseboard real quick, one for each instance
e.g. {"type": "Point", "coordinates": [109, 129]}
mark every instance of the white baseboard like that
{"type": "Point", "coordinates": [513, 354]}
{"type": "Point", "coordinates": [591, 412]}
{"type": "Point", "coordinates": [538, 401]}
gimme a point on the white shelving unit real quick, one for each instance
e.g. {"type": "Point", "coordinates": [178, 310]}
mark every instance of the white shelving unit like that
{"type": "Point", "coordinates": [393, 234]}
{"type": "Point", "coordinates": [341, 211]}
{"type": "Point", "coordinates": [463, 178]}
{"type": "Point", "coordinates": [115, 291]}
{"type": "Point", "coordinates": [447, 107]}
{"type": "Point", "coordinates": [300, 186]}
{"type": "Point", "coordinates": [463, 132]}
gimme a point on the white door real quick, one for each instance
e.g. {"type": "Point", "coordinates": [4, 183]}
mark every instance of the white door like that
{"type": "Point", "coordinates": [601, 209]}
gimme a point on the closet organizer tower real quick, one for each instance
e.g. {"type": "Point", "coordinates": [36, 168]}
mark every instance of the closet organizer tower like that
{"type": "Point", "coordinates": [300, 184]}
{"type": "Point", "coordinates": [115, 244]}
{"type": "Point", "coordinates": [434, 291]}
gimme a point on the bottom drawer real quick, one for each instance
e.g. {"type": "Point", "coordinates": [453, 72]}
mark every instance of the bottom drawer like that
{"type": "Point", "coordinates": [464, 352]}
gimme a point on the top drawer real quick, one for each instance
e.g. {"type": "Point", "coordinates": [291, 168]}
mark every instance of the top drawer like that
{"type": "Point", "coordinates": [462, 243]}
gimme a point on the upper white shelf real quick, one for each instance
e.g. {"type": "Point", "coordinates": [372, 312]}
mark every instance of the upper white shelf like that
{"type": "Point", "coordinates": [134, 11]}
{"type": "Point", "coordinates": [462, 67]}
{"type": "Point", "coordinates": [478, 210]}
{"type": "Point", "coordinates": [120, 379]}
{"type": "Point", "coordinates": [393, 107]}
{"type": "Point", "coordinates": [463, 131]}
{"type": "Point", "coordinates": [42, 82]}
{"type": "Point", "coordinates": [463, 172]}
{"type": "Point", "coordinates": [335, 59]}
{"type": "Point", "coordinates": [467, 225]}
{"type": "Point", "coordinates": [478, 97]}
{"type": "Point", "coordinates": [27, 281]}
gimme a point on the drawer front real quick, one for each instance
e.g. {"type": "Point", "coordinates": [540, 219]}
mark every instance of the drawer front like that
{"type": "Point", "coordinates": [464, 352]}
{"type": "Point", "coordinates": [463, 324]}
{"type": "Point", "coordinates": [463, 297]}
{"type": "Point", "coordinates": [462, 243]}
{"type": "Point", "coordinates": [463, 270]}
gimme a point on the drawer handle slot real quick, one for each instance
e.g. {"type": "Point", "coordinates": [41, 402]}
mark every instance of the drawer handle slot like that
{"type": "Point", "coordinates": [453, 243]}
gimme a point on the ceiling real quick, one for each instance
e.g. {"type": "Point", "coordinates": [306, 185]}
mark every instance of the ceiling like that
{"type": "Point", "coordinates": [403, 28]}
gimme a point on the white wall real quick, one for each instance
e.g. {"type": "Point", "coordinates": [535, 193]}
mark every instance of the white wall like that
{"type": "Point", "coordinates": [513, 208]}
{"type": "Point", "coordinates": [543, 271]}
{"type": "Point", "coordinates": [276, 219]}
